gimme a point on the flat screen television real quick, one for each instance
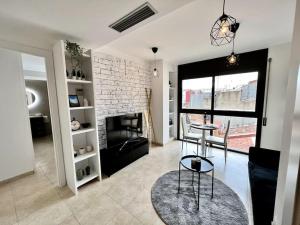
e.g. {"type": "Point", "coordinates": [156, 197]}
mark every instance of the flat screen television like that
{"type": "Point", "coordinates": [120, 129]}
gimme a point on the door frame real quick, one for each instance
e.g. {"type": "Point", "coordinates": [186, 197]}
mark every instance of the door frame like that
{"type": "Point", "coordinates": [53, 102]}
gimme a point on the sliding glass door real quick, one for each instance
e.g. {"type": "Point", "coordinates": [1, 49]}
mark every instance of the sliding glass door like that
{"type": "Point", "coordinates": [224, 97]}
{"type": "Point", "coordinates": [225, 93]}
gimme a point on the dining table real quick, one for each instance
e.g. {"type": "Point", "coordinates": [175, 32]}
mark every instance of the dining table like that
{"type": "Point", "coordinates": [204, 128]}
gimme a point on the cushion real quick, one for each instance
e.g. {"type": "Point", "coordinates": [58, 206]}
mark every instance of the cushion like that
{"type": "Point", "coordinates": [193, 135]}
{"type": "Point", "coordinates": [215, 140]}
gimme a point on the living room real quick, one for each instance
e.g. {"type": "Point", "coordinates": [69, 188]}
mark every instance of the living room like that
{"type": "Point", "coordinates": [162, 112]}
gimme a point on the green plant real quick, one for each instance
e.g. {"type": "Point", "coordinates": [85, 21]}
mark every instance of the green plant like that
{"type": "Point", "coordinates": [73, 49]}
{"type": "Point", "coordinates": [75, 52]}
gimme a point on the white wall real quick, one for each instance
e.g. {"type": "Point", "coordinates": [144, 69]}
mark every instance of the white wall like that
{"type": "Point", "coordinates": [289, 160]}
{"type": "Point", "coordinates": [16, 154]}
{"type": "Point", "coordinates": [272, 133]}
{"type": "Point", "coordinates": [21, 32]}
{"type": "Point", "coordinates": [120, 88]}
{"type": "Point", "coordinates": [157, 103]}
{"type": "Point", "coordinates": [160, 101]}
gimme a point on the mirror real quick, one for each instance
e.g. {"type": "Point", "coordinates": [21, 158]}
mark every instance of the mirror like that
{"type": "Point", "coordinates": [31, 98]}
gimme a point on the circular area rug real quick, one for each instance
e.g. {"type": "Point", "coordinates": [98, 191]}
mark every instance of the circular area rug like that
{"type": "Point", "coordinates": [225, 208]}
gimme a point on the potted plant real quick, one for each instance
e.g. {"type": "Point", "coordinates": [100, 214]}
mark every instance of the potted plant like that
{"type": "Point", "coordinates": [82, 76]}
{"type": "Point", "coordinates": [75, 52]}
{"type": "Point", "coordinates": [73, 49]}
{"type": "Point", "coordinates": [73, 74]}
{"type": "Point", "coordinates": [78, 75]}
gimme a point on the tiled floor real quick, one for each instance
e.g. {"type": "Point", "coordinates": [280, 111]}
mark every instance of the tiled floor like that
{"type": "Point", "coordinates": [44, 157]}
{"type": "Point", "coordinates": [122, 199]}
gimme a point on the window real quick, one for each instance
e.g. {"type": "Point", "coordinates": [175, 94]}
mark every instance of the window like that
{"type": "Point", "coordinates": [236, 92]}
{"type": "Point", "coordinates": [196, 93]}
{"type": "Point", "coordinates": [222, 92]}
{"type": "Point", "coordinates": [234, 98]}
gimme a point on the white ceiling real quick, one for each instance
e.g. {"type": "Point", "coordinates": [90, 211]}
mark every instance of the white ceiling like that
{"type": "Point", "coordinates": [180, 29]}
{"type": "Point", "coordinates": [183, 35]}
{"type": "Point", "coordinates": [85, 21]}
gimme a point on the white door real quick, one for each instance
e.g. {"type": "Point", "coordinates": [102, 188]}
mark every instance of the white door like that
{"type": "Point", "coordinates": [16, 148]}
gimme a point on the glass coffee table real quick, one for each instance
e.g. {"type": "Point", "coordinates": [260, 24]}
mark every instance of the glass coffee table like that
{"type": "Point", "coordinates": [206, 167]}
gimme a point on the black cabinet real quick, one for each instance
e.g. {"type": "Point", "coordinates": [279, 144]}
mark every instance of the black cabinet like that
{"type": "Point", "coordinates": [38, 126]}
{"type": "Point", "coordinates": [117, 157]}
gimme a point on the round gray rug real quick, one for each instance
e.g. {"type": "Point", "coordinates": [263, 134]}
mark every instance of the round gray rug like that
{"type": "Point", "coordinates": [225, 208]}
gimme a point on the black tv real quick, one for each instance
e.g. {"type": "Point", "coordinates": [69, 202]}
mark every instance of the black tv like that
{"type": "Point", "coordinates": [120, 129]}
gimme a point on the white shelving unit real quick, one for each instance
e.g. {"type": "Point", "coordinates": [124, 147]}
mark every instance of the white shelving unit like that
{"type": "Point", "coordinates": [83, 130]}
{"type": "Point", "coordinates": [85, 156]}
{"type": "Point", "coordinates": [172, 106]}
{"type": "Point", "coordinates": [79, 81]}
{"type": "Point", "coordinates": [73, 140]}
{"type": "Point", "coordinates": [82, 107]}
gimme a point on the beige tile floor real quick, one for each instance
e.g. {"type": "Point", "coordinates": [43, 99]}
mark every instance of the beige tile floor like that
{"type": "Point", "coordinates": [122, 199]}
{"type": "Point", "coordinates": [44, 157]}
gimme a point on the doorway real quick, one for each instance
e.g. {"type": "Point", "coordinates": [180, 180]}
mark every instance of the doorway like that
{"type": "Point", "coordinates": [37, 99]}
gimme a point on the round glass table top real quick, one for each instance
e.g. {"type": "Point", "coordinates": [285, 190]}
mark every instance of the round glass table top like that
{"type": "Point", "coordinates": [204, 126]}
{"type": "Point", "coordinates": [206, 165]}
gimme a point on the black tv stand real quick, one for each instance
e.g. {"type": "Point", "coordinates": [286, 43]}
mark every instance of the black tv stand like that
{"type": "Point", "coordinates": [119, 156]}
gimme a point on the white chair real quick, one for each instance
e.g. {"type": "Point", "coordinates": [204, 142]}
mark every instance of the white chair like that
{"type": "Point", "coordinates": [188, 135]}
{"type": "Point", "coordinates": [220, 141]}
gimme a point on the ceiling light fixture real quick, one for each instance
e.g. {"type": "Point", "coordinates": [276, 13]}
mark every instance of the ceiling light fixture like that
{"type": "Point", "coordinates": [224, 29]}
{"type": "Point", "coordinates": [155, 71]}
{"type": "Point", "coordinates": [232, 59]}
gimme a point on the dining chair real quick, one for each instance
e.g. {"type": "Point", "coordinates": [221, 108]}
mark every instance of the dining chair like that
{"type": "Point", "coordinates": [188, 135]}
{"type": "Point", "coordinates": [222, 141]}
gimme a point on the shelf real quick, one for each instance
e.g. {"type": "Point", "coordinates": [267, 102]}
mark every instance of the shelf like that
{"type": "Point", "coordinates": [171, 100]}
{"type": "Point", "coordinates": [86, 179]}
{"type": "Point", "coordinates": [171, 88]}
{"type": "Point", "coordinates": [81, 107]}
{"type": "Point", "coordinates": [84, 130]}
{"type": "Point", "coordinates": [79, 81]}
{"type": "Point", "coordinates": [171, 125]}
{"type": "Point", "coordinates": [84, 156]}
{"type": "Point", "coordinates": [171, 112]}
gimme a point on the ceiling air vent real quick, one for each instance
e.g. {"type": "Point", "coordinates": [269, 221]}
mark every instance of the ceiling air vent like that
{"type": "Point", "coordinates": [134, 17]}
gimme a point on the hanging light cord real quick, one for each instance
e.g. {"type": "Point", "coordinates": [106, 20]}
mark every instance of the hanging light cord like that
{"type": "Point", "coordinates": [233, 44]}
{"type": "Point", "coordinates": [224, 7]}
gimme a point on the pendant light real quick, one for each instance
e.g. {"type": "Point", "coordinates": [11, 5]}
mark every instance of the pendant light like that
{"type": "Point", "coordinates": [224, 29]}
{"type": "Point", "coordinates": [155, 71]}
{"type": "Point", "coordinates": [232, 59]}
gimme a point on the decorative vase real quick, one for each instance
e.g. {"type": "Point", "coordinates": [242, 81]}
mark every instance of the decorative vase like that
{"type": "Point", "coordinates": [82, 151]}
{"type": "Point", "coordinates": [85, 102]}
{"type": "Point", "coordinates": [89, 148]}
{"type": "Point", "coordinates": [80, 174]}
{"type": "Point", "coordinates": [88, 170]}
{"type": "Point", "coordinates": [196, 163]}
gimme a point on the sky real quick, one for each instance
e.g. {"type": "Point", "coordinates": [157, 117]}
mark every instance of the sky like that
{"type": "Point", "coordinates": [222, 82]}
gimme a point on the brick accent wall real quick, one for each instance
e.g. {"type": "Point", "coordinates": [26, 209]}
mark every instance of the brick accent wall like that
{"type": "Point", "coordinates": [120, 88]}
